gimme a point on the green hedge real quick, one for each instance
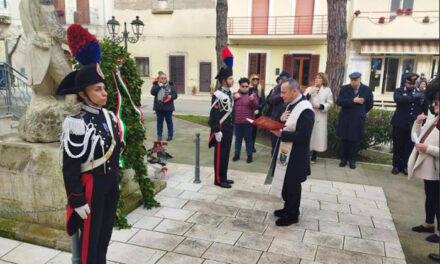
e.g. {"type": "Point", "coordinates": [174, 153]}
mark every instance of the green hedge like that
{"type": "Point", "coordinates": [377, 129]}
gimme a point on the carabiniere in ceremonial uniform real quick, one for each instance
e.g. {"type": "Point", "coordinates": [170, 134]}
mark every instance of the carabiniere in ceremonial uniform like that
{"type": "Point", "coordinates": [410, 102]}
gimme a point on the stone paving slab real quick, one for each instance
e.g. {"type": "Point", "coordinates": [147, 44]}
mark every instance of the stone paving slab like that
{"type": "Point", "coordinates": [201, 223]}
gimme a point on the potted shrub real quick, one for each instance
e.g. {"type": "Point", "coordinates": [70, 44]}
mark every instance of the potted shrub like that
{"type": "Point", "coordinates": [194, 90]}
{"type": "Point", "coordinates": [357, 13]}
{"type": "Point", "coordinates": [212, 89]}
{"type": "Point", "coordinates": [399, 12]}
{"type": "Point", "coordinates": [408, 11]}
{"type": "Point", "coordinates": [381, 20]}
{"type": "Point", "coordinates": [425, 19]}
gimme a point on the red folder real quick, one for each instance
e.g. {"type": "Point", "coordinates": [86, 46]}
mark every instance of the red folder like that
{"type": "Point", "coordinates": [266, 123]}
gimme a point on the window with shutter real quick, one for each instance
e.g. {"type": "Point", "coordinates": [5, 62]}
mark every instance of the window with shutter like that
{"type": "Point", "coordinates": [61, 12]}
{"type": "Point", "coordinates": [177, 72]}
{"type": "Point", "coordinates": [288, 63]}
{"type": "Point", "coordinates": [205, 77]}
{"type": "Point", "coordinates": [83, 11]}
{"type": "Point", "coordinates": [314, 68]}
{"type": "Point", "coordinates": [257, 65]}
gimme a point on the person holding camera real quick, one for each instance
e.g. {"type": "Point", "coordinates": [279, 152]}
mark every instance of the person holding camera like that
{"type": "Point", "coordinates": [410, 102]}
{"type": "Point", "coordinates": [164, 93]}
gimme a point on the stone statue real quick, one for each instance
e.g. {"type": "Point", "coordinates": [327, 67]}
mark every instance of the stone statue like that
{"type": "Point", "coordinates": [46, 66]}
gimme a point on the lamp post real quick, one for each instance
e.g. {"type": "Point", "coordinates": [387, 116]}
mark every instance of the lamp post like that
{"type": "Point", "coordinates": [137, 27]}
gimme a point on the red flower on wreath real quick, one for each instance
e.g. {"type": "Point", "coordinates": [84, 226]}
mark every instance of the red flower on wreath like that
{"type": "Point", "coordinates": [399, 12]}
{"type": "Point", "coordinates": [381, 20]}
{"type": "Point", "coordinates": [357, 13]}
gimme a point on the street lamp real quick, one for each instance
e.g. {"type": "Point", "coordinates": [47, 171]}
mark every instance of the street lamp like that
{"type": "Point", "coordinates": [137, 27]}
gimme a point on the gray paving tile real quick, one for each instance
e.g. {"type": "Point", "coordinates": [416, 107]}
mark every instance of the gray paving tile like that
{"type": "Point", "coordinates": [364, 246]}
{"type": "Point", "coordinates": [209, 189]}
{"type": "Point", "coordinates": [148, 222]}
{"type": "Point", "coordinates": [193, 247]}
{"type": "Point", "coordinates": [236, 202]}
{"type": "Point", "coordinates": [287, 233]}
{"type": "Point", "coordinates": [170, 192]}
{"type": "Point", "coordinates": [26, 253]}
{"type": "Point", "coordinates": [348, 186]}
{"type": "Point", "coordinates": [213, 234]}
{"type": "Point", "coordinates": [156, 240]}
{"type": "Point", "coordinates": [7, 245]}
{"type": "Point", "coordinates": [394, 250]}
{"type": "Point", "coordinates": [379, 234]}
{"type": "Point", "coordinates": [231, 254]}
{"type": "Point", "coordinates": [171, 201]}
{"type": "Point", "coordinates": [243, 225]}
{"type": "Point", "coordinates": [203, 197]}
{"type": "Point", "coordinates": [309, 203]}
{"type": "Point", "coordinates": [323, 239]}
{"type": "Point", "coordinates": [272, 258]}
{"type": "Point", "coordinates": [186, 186]}
{"type": "Point", "coordinates": [123, 235]}
{"type": "Point", "coordinates": [132, 218]}
{"type": "Point", "coordinates": [175, 214]}
{"type": "Point", "coordinates": [268, 206]}
{"type": "Point", "coordinates": [254, 241]}
{"type": "Point", "coordinates": [339, 229]}
{"type": "Point", "coordinates": [141, 210]}
{"type": "Point", "coordinates": [174, 258]}
{"type": "Point", "coordinates": [253, 195]}
{"type": "Point", "coordinates": [320, 196]}
{"type": "Point", "coordinates": [131, 254]}
{"type": "Point", "coordinates": [382, 213]}
{"type": "Point", "coordinates": [383, 223]}
{"type": "Point", "coordinates": [208, 261]}
{"type": "Point", "coordinates": [293, 248]}
{"type": "Point", "coordinates": [355, 219]}
{"type": "Point", "coordinates": [337, 207]}
{"type": "Point", "coordinates": [325, 215]}
{"type": "Point", "coordinates": [62, 258]}
{"type": "Point", "coordinates": [356, 201]}
{"type": "Point", "coordinates": [253, 215]}
{"type": "Point", "coordinates": [206, 219]}
{"type": "Point", "coordinates": [393, 261]}
{"type": "Point", "coordinates": [303, 223]}
{"type": "Point", "coordinates": [173, 227]}
{"type": "Point", "coordinates": [210, 208]}
{"type": "Point", "coordinates": [327, 255]}
{"type": "Point", "coordinates": [372, 195]}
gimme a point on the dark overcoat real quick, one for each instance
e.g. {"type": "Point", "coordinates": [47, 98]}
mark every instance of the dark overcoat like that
{"type": "Point", "coordinates": [352, 116]}
{"type": "Point", "coordinates": [408, 107]}
{"type": "Point", "coordinates": [161, 106]}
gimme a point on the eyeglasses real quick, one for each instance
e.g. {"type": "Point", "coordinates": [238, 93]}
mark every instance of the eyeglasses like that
{"type": "Point", "coordinates": [255, 79]}
{"type": "Point", "coordinates": [244, 86]}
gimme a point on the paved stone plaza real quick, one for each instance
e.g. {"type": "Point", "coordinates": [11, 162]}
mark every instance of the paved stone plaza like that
{"type": "Point", "coordinates": [201, 223]}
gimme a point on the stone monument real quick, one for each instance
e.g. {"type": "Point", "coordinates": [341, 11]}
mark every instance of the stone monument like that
{"type": "Point", "coordinates": [46, 67]}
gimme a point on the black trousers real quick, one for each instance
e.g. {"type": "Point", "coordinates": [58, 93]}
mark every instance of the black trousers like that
{"type": "Point", "coordinates": [349, 150]}
{"type": "Point", "coordinates": [104, 200]}
{"type": "Point", "coordinates": [402, 147]}
{"type": "Point", "coordinates": [432, 202]}
{"type": "Point", "coordinates": [291, 194]}
{"type": "Point", "coordinates": [221, 154]}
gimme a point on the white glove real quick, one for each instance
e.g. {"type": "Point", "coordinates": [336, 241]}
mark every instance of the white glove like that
{"type": "Point", "coordinates": [83, 211]}
{"type": "Point", "coordinates": [218, 136]}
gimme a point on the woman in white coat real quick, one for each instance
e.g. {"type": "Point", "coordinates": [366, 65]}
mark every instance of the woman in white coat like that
{"type": "Point", "coordinates": [424, 164]}
{"type": "Point", "coordinates": [321, 98]}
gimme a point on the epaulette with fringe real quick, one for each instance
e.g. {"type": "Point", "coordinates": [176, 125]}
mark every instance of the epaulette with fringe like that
{"type": "Point", "coordinates": [74, 124]}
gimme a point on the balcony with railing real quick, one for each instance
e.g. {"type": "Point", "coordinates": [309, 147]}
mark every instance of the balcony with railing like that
{"type": "Point", "coordinates": [278, 27]}
{"type": "Point", "coordinates": [400, 24]}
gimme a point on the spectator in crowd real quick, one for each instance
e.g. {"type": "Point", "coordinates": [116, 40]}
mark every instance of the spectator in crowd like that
{"type": "Point", "coordinates": [164, 94]}
{"type": "Point", "coordinates": [355, 100]}
{"type": "Point", "coordinates": [276, 104]}
{"type": "Point", "coordinates": [245, 105]}
{"type": "Point", "coordinates": [410, 102]}
{"type": "Point", "coordinates": [424, 164]}
{"type": "Point", "coordinates": [321, 98]}
{"type": "Point", "coordinates": [258, 90]}
{"type": "Point", "coordinates": [421, 79]}
{"type": "Point", "coordinates": [422, 85]}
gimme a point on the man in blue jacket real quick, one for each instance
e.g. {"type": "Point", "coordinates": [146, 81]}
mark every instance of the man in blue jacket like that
{"type": "Point", "coordinates": [410, 102]}
{"type": "Point", "coordinates": [355, 100]}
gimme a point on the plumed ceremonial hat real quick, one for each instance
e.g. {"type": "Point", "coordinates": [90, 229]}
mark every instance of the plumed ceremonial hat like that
{"type": "Point", "coordinates": [411, 77]}
{"type": "Point", "coordinates": [228, 59]}
{"type": "Point", "coordinates": [86, 50]}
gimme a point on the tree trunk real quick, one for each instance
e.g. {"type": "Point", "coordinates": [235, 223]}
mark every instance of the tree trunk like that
{"type": "Point", "coordinates": [336, 44]}
{"type": "Point", "coordinates": [221, 38]}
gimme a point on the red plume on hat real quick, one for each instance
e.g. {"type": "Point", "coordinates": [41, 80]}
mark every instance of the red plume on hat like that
{"type": "Point", "coordinates": [83, 45]}
{"type": "Point", "coordinates": [227, 57]}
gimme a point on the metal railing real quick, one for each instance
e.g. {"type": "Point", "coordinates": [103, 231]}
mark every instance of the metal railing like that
{"type": "Point", "coordinates": [15, 93]}
{"type": "Point", "coordinates": [278, 25]}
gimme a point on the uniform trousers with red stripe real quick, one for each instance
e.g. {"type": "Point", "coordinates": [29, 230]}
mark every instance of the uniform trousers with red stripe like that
{"type": "Point", "coordinates": [221, 154]}
{"type": "Point", "coordinates": [96, 230]}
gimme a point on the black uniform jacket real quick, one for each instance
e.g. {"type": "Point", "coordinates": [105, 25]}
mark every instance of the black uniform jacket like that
{"type": "Point", "coordinates": [216, 114]}
{"type": "Point", "coordinates": [352, 116]}
{"type": "Point", "coordinates": [72, 166]}
{"type": "Point", "coordinates": [408, 108]}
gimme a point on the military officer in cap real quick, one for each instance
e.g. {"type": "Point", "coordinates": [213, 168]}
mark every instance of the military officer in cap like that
{"type": "Point", "coordinates": [410, 102]}
{"type": "Point", "coordinates": [91, 147]}
{"type": "Point", "coordinates": [221, 121]}
{"type": "Point", "coordinates": [355, 100]}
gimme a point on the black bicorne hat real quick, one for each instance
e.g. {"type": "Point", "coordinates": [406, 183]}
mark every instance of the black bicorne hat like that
{"type": "Point", "coordinates": [78, 80]}
{"type": "Point", "coordinates": [224, 73]}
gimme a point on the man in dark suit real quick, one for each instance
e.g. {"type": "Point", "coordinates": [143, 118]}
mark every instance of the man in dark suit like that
{"type": "Point", "coordinates": [410, 102]}
{"type": "Point", "coordinates": [295, 138]}
{"type": "Point", "coordinates": [355, 100]}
